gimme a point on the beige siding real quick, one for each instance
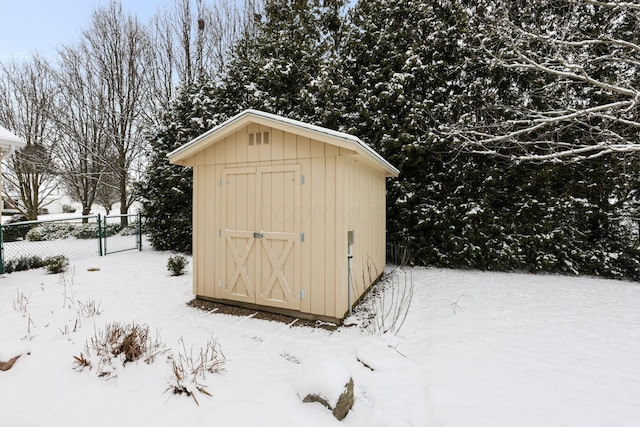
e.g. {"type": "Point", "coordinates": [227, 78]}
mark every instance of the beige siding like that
{"type": "Point", "coordinates": [338, 194]}
{"type": "Point", "coordinates": [364, 212]}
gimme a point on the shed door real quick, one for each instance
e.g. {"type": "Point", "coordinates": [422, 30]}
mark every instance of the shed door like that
{"type": "Point", "coordinates": [261, 235]}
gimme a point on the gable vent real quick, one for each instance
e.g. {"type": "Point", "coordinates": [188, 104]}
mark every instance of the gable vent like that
{"type": "Point", "coordinates": [259, 138]}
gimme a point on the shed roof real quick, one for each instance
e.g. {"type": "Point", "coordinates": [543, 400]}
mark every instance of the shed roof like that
{"type": "Point", "coordinates": [329, 136]}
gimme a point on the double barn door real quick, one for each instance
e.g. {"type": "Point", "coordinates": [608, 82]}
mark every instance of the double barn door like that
{"type": "Point", "coordinates": [261, 235]}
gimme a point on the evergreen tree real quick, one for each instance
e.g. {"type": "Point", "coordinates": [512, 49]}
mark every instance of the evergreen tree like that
{"type": "Point", "coordinates": [414, 74]}
{"type": "Point", "coordinates": [166, 190]}
{"type": "Point", "coordinates": [276, 67]}
{"type": "Point", "coordinates": [410, 73]}
{"type": "Point", "coordinates": [281, 67]}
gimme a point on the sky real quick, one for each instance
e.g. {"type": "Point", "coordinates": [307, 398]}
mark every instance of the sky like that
{"type": "Point", "coordinates": [28, 26]}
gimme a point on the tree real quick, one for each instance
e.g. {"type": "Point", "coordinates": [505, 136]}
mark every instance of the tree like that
{"type": "Point", "coordinates": [281, 66]}
{"type": "Point", "coordinates": [117, 48]}
{"type": "Point", "coordinates": [27, 97]}
{"type": "Point", "coordinates": [275, 67]}
{"type": "Point", "coordinates": [414, 77]}
{"type": "Point", "coordinates": [587, 54]}
{"type": "Point", "coordinates": [82, 145]}
{"type": "Point", "coordinates": [186, 43]}
{"type": "Point", "coordinates": [166, 190]}
{"type": "Point", "coordinates": [408, 74]}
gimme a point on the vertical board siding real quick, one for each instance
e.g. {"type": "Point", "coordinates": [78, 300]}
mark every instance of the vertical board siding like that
{"type": "Point", "coordinates": [198, 282]}
{"type": "Point", "coordinates": [316, 185]}
{"type": "Point", "coordinates": [338, 194]}
{"type": "Point", "coordinates": [340, 279]}
{"type": "Point", "coordinates": [209, 230]}
{"type": "Point", "coordinates": [330, 237]}
{"type": "Point", "coordinates": [200, 215]}
{"type": "Point", "coordinates": [304, 216]}
{"type": "Point", "coordinates": [366, 216]}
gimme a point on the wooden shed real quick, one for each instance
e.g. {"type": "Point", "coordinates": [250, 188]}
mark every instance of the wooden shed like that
{"type": "Point", "coordinates": [274, 200]}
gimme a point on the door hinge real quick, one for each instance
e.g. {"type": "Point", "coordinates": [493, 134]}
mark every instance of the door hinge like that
{"type": "Point", "coordinates": [301, 293]}
{"type": "Point", "coordinates": [220, 283]}
{"type": "Point", "coordinates": [219, 232]}
{"type": "Point", "coordinates": [302, 237]}
{"type": "Point", "coordinates": [301, 179]}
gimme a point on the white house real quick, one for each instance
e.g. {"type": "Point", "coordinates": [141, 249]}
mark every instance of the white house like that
{"type": "Point", "coordinates": [8, 144]}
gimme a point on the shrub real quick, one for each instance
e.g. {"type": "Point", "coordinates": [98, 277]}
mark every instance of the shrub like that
{"type": "Point", "coordinates": [176, 264]}
{"type": "Point", "coordinates": [130, 230]}
{"type": "Point", "coordinates": [11, 233]}
{"type": "Point", "coordinates": [85, 231]}
{"type": "Point", "coordinates": [56, 264]}
{"type": "Point", "coordinates": [23, 263]}
{"type": "Point", "coordinates": [50, 231]}
{"type": "Point", "coordinates": [63, 230]}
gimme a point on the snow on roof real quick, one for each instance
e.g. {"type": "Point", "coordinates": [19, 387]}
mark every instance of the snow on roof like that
{"type": "Point", "coordinates": [297, 124]}
{"type": "Point", "coordinates": [7, 137]}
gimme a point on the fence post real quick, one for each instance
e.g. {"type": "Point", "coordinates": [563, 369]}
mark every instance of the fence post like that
{"type": "Point", "coordinates": [99, 236]}
{"type": "Point", "coordinates": [1, 249]}
{"type": "Point", "coordinates": [139, 231]}
{"type": "Point", "coordinates": [104, 232]}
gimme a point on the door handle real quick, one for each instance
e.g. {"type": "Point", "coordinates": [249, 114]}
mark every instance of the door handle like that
{"type": "Point", "coordinates": [258, 235]}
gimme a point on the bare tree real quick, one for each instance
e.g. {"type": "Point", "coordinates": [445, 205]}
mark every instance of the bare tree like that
{"type": "Point", "coordinates": [82, 143]}
{"type": "Point", "coordinates": [26, 108]}
{"type": "Point", "coordinates": [107, 194]}
{"type": "Point", "coordinates": [191, 37]}
{"type": "Point", "coordinates": [585, 57]}
{"type": "Point", "coordinates": [117, 54]}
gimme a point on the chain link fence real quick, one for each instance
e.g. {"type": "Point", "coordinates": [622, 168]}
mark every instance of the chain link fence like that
{"type": "Point", "coordinates": [28, 243]}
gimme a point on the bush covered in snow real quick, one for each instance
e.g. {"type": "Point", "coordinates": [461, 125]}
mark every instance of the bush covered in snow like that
{"type": "Point", "coordinates": [23, 263]}
{"type": "Point", "coordinates": [56, 264]}
{"type": "Point", "coordinates": [64, 230]}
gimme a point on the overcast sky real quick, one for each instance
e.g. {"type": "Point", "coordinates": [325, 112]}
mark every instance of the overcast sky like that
{"type": "Point", "coordinates": [28, 26]}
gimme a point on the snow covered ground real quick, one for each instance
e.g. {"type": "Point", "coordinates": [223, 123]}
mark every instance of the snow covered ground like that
{"type": "Point", "coordinates": [477, 349]}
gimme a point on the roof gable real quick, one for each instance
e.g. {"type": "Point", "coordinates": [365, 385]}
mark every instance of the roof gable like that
{"type": "Point", "coordinates": [246, 117]}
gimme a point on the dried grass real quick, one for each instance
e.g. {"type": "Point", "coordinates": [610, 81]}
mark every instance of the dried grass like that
{"type": "Point", "coordinates": [189, 371]}
{"type": "Point", "coordinates": [117, 345]}
{"type": "Point", "coordinates": [386, 307]}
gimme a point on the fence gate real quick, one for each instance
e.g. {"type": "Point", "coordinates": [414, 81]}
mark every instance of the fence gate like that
{"type": "Point", "coordinates": [26, 243]}
{"type": "Point", "coordinates": [128, 238]}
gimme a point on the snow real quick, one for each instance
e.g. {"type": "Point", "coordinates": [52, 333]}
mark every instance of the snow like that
{"type": "Point", "coordinates": [481, 349]}
{"type": "Point", "coordinates": [325, 377]}
{"type": "Point", "coordinates": [12, 348]}
{"type": "Point", "coordinates": [6, 137]}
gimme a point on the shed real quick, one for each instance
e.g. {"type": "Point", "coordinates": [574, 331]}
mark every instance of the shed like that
{"type": "Point", "coordinates": [274, 200]}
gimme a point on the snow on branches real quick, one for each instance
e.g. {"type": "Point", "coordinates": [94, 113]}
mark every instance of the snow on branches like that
{"type": "Point", "coordinates": [570, 83]}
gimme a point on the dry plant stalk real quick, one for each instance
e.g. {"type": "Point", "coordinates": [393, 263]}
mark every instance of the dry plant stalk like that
{"type": "Point", "coordinates": [67, 280]}
{"type": "Point", "coordinates": [21, 302]}
{"type": "Point", "coordinates": [388, 305]}
{"type": "Point", "coordinates": [119, 344]}
{"type": "Point", "coordinates": [89, 308]}
{"type": "Point", "coordinates": [189, 371]}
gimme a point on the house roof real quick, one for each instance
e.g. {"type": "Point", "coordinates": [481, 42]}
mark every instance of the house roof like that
{"type": "Point", "coordinates": [9, 142]}
{"type": "Point", "coordinates": [330, 136]}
